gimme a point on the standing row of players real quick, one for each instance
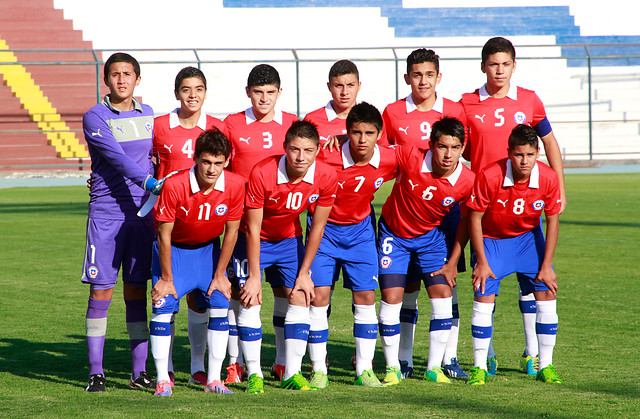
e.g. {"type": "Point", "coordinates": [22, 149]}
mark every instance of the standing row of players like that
{"type": "Point", "coordinates": [414, 223]}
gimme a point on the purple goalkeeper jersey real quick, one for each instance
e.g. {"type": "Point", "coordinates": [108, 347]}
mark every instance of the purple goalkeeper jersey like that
{"type": "Point", "coordinates": [120, 145]}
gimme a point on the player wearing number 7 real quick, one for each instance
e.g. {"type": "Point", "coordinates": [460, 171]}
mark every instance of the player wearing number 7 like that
{"type": "Point", "coordinates": [506, 204]}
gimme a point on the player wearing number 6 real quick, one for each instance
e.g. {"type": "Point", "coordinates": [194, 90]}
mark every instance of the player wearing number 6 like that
{"type": "Point", "coordinates": [506, 204]}
{"type": "Point", "coordinates": [429, 183]}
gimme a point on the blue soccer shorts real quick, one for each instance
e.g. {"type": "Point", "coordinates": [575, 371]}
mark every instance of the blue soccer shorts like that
{"type": "Point", "coordinates": [280, 261]}
{"type": "Point", "coordinates": [352, 247]}
{"type": "Point", "coordinates": [522, 254]}
{"type": "Point", "coordinates": [429, 251]}
{"type": "Point", "coordinates": [192, 268]}
{"type": "Point", "coordinates": [114, 243]}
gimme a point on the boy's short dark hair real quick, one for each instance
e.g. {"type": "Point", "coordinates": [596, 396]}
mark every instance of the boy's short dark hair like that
{"type": "Point", "coordinates": [342, 67]}
{"type": "Point", "coordinates": [214, 142]}
{"type": "Point", "coordinates": [187, 73]}
{"type": "Point", "coordinates": [302, 129]}
{"type": "Point", "coordinates": [447, 126]}
{"type": "Point", "coordinates": [121, 57]}
{"type": "Point", "coordinates": [263, 74]}
{"type": "Point", "coordinates": [523, 134]}
{"type": "Point", "coordinates": [364, 112]}
{"type": "Point", "coordinates": [498, 44]}
{"type": "Point", "coordinates": [423, 55]}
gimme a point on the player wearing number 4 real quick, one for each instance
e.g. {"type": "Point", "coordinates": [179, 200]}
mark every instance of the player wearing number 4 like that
{"type": "Point", "coordinates": [256, 133]}
{"type": "Point", "coordinates": [194, 209]}
{"type": "Point", "coordinates": [349, 242]}
{"type": "Point", "coordinates": [506, 204]}
{"type": "Point", "coordinates": [408, 122]}
{"type": "Point", "coordinates": [174, 138]}
{"type": "Point", "coordinates": [429, 182]}
{"type": "Point", "coordinates": [281, 188]}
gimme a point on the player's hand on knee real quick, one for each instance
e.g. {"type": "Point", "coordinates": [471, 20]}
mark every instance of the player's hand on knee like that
{"type": "Point", "coordinates": [221, 284]}
{"type": "Point", "coordinates": [480, 275]}
{"type": "Point", "coordinates": [251, 293]}
{"type": "Point", "coordinates": [305, 284]}
{"type": "Point", "coordinates": [549, 278]}
{"type": "Point", "coordinates": [161, 289]}
{"type": "Point", "coordinates": [449, 272]}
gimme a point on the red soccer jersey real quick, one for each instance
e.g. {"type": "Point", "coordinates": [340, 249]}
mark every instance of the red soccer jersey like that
{"type": "Point", "coordinates": [357, 184]}
{"type": "Point", "coordinates": [253, 141]}
{"type": "Point", "coordinates": [199, 218]}
{"type": "Point", "coordinates": [329, 125]}
{"type": "Point", "coordinates": [490, 121]}
{"type": "Point", "coordinates": [419, 199]}
{"type": "Point", "coordinates": [283, 202]}
{"type": "Point", "coordinates": [406, 125]}
{"type": "Point", "coordinates": [174, 145]}
{"type": "Point", "coordinates": [511, 209]}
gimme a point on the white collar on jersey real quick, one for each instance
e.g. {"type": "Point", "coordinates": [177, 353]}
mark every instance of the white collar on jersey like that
{"type": "Point", "coordinates": [534, 179]}
{"type": "Point", "coordinates": [195, 188]}
{"type": "Point", "coordinates": [250, 117]}
{"type": "Point", "coordinates": [438, 105]}
{"type": "Point", "coordinates": [331, 114]}
{"type": "Point", "coordinates": [283, 177]}
{"type": "Point", "coordinates": [347, 159]}
{"type": "Point", "coordinates": [511, 94]}
{"type": "Point", "coordinates": [427, 167]}
{"type": "Point", "coordinates": [175, 122]}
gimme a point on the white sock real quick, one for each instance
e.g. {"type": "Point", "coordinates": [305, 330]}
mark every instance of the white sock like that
{"type": "Point", "coordinates": [279, 312]}
{"type": "Point", "coordinates": [161, 343]}
{"type": "Point", "coordinates": [296, 325]}
{"type": "Point", "coordinates": [491, 352]}
{"type": "Point", "coordinates": [408, 319]}
{"type": "Point", "coordinates": [528, 309]}
{"type": "Point", "coordinates": [197, 330]}
{"type": "Point", "coordinates": [318, 336]}
{"type": "Point", "coordinates": [173, 336]}
{"type": "Point", "coordinates": [547, 326]}
{"type": "Point", "coordinates": [250, 334]}
{"type": "Point", "coordinates": [439, 330]}
{"type": "Point", "coordinates": [233, 347]}
{"type": "Point", "coordinates": [217, 336]}
{"type": "Point", "coordinates": [365, 332]}
{"type": "Point", "coordinates": [481, 329]}
{"type": "Point", "coordinates": [451, 351]}
{"type": "Point", "coordinates": [389, 329]}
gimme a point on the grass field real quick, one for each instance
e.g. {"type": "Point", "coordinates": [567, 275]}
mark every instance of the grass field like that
{"type": "Point", "coordinates": [43, 362]}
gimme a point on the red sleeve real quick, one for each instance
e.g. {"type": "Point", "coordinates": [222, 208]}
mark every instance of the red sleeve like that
{"type": "Point", "coordinates": [387, 137]}
{"type": "Point", "coordinates": [168, 201]}
{"type": "Point", "coordinates": [329, 188]}
{"type": "Point", "coordinates": [539, 112]}
{"type": "Point", "coordinates": [237, 199]}
{"type": "Point", "coordinates": [480, 195]}
{"type": "Point", "coordinates": [553, 200]}
{"type": "Point", "coordinates": [255, 188]}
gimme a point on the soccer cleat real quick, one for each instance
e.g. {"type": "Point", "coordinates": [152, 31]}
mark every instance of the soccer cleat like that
{"type": "Point", "coordinates": [405, 370]}
{"type": "Point", "coordinates": [96, 383]}
{"type": "Point", "coordinates": [255, 384]}
{"type": "Point", "coordinates": [199, 377]}
{"type": "Point", "coordinates": [529, 364]}
{"type": "Point", "coordinates": [235, 372]}
{"type": "Point", "coordinates": [297, 382]}
{"type": "Point", "coordinates": [216, 386]}
{"type": "Point", "coordinates": [172, 378]}
{"type": "Point", "coordinates": [436, 375]}
{"type": "Point", "coordinates": [277, 371]}
{"type": "Point", "coordinates": [144, 380]}
{"type": "Point", "coordinates": [548, 375]}
{"type": "Point", "coordinates": [319, 380]}
{"type": "Point", "coordinates": [392, 377]}
{"type": "Point", "coordinates": [368, 379]}
{"type": "Point", "coordinates": [454, 370]}
{"type": "Point", "coordinates": [478, 376]}
{"type": "Point", "coordinates": [492, 364]}
{"type": "Point", "coordinates": [164, 388]}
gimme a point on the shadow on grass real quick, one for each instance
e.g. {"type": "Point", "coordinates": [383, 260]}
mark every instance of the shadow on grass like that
{"type": "Point", "coordinates": [67, 208]}
{"type": "Point", "coordinates": [599, 223]}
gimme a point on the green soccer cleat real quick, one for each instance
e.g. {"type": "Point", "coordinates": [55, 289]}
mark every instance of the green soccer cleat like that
{"type": "Point", "coordinates": [436, 375]}
{"type": "Point", "coordinates": [255, 384]}
{"type": "Point", "coordinates": [393, 376]}
{"type": "Point", "coordinates": [529, 364]}
{"type": "Point", "coordinates": [548, 375]}
{"type": "Point", "coordinates": [368, 379]}
{"type": "Point", "coordinates": [477, 376]}
{"type": "Point", "coordinates": [319, 380]}
{"type": "Point", "coordinates": [492, 365]}
{"type": "Point", "coordinates": [297, 382]}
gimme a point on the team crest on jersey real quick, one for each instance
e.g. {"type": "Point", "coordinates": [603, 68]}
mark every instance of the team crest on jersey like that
{"type": "Point", "coordinates": [448, 201]}
{"type": "Point", "coordinates": [385, 262]}
{"type": "Point", "coordinates": [520, 117]}
{"type": "Point", "coordinates": [313, 198]}
{"type": "Point", "coordinates": [378, 182]}
{"type": "Point", "coordinates": [161, 302]}
{"type": "Point", "coordinates": [93, 272]}
{"type": "Point", "coordinates": [221, 209]}
{"type": "Point", "coordinates": [148, 125]}
{"type": "Point", "coordinates": [538, 205]}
